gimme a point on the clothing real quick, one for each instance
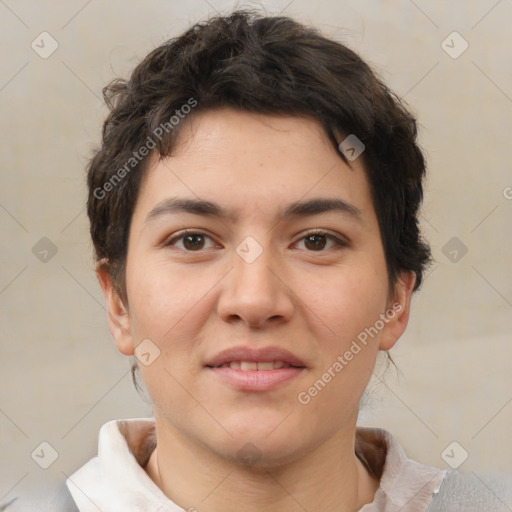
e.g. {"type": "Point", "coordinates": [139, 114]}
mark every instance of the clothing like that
{"type": "Point", "coordinates": [473, 493]}
{"type": "Point", "coordinates": [115, 480]}
{"type": "Point", "coordinates": [405, 485]}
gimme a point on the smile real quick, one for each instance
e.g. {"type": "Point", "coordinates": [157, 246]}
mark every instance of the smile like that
{"type": "Point", "coordinates": [253, 376]}
{"type": "Point", "coordinates": [255, 365]}
{"type": "Point", "coordinates": [247, 368]}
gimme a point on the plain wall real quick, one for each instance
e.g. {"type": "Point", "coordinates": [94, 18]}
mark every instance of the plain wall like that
{"type": "Point", "coordinates": [62, 377]}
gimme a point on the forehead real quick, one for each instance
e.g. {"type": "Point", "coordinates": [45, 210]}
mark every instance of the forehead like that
{"type": "Point", "coordinates": [248, 161]}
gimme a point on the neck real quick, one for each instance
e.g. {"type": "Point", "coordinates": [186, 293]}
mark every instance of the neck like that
{"type": "Point", "coordinates": [196, 478]}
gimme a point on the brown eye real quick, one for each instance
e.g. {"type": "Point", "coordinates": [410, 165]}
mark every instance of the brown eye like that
{"type": "Point", "coordinates": [193, 242]}
{"type": "Point", "coordinates": [315, 242]}
{"type": "Point", "coordinates": [321, 242]}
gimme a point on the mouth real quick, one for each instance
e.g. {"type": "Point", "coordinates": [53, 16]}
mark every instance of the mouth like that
{"type": "Point", "coordinates": [251, 366]}
{"type": "Point", "coordinates": [249, 369]}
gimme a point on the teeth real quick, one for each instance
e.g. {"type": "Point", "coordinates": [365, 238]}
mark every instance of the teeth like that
{"type": "Point", "coordinates": [268, 365]}
{"type": "Point", "coordinates": [248, 365]}
{"type": "Point", "coordinates": [253, 365]}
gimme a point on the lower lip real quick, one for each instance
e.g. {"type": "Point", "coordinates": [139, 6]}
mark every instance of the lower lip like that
{"type": "Point", "coordinates": [256, 380]}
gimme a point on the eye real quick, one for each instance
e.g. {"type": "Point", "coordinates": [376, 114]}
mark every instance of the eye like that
{"type": "Point", "coordinates": [195, 241]}
{"type": "Point", "coordinates": [319, 240]}
{"type": "Point", "coordinates": [191, 241]}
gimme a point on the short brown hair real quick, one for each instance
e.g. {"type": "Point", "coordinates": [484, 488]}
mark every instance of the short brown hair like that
{"type": "Point", "coordinates": [264, 64]}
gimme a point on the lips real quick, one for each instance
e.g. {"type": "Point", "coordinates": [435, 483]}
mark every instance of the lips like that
{"type": "Point", "coordinates": [248, 366]}
{"type": "Point", "coordinates": [255, 370]}
{"type": "Point", "coordinates": [247, 358]}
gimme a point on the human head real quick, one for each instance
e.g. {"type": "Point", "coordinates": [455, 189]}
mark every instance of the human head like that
{"type": "Point", "coordinates": [268, 65]}
{"type": "Point", "coordinates": [248, 113]}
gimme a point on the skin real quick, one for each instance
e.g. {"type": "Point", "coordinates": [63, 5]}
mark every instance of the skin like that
{"type": "Point", "coordinates": [310, 299]}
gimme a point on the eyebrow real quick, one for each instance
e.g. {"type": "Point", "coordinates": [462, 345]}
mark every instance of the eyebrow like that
{"type": "Point", "coordinates": [297, 209]}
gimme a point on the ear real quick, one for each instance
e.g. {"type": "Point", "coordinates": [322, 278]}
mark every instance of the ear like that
{"type": "Point", "coordinates": [397, 314]}
{"type": "Point", "coordinates": [118, 318]}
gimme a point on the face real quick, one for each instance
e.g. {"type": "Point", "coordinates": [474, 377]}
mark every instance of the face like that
{"type": "Point", "coordinates": [255, 246]}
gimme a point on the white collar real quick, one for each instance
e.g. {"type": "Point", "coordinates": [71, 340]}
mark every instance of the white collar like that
{"type": "Point", "coordinates": [115, 481]}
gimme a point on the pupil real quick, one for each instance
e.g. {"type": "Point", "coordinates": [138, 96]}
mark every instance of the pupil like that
{"type": "Point", "coordinates": [315, 241]}
{"type": "Point", "coordinates": [193, 241]}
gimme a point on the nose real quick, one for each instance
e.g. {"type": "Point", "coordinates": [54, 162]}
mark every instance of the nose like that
{"type": "Point", "coordinates": [254, 293]}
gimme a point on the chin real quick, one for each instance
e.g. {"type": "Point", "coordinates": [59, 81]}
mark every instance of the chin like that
{"type": "Point", "coordinates": [262, 444]}
{"type": "Point", "coordinates": [267, 454]}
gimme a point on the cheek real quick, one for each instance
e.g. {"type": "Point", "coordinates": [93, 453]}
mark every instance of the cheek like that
{"type": "Point", "coordinates": [165, 303]}
{"type": "Point", "coordinates": [347, 299]}
{"type": "Point", "coordinates": [169, 307]}
{"type": "Point", "coordinates": [344, 307]}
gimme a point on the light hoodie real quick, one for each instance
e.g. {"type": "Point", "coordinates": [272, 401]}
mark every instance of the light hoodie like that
{"type": "Point", "coordinates": [115, 480]}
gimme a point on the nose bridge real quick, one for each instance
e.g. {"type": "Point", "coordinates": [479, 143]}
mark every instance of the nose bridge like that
{"type": "Point", "coordinates": [253, 267]}
{"type": "Point", "coordinates": [253, 292]}
{"type": "Point", "coordinates": [253, 276]}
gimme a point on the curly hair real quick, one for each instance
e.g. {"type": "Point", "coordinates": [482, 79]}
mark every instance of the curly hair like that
{"type": "Point", "coordinates": [262, 64]}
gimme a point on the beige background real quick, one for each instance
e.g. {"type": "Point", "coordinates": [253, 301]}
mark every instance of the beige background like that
{"type": "Point", "coordinates": [62, 377]}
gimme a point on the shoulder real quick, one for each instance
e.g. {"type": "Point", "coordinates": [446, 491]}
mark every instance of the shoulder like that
{"type": "Point", "coordinates": [408, 485]}
{"type": "Point", "coordinates": [461, 492]}
{"type": "Point", "coordinates": [53, 498]}
{"type": "Point", "coordinates": [63, 501]}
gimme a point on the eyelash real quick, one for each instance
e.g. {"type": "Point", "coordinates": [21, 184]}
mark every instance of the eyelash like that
{"type": "Point", "coordinates": [338, 243]}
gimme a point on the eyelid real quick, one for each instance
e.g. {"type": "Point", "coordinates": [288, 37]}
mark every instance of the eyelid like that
{"type": "Point", "coordinates": [182, 234]}
{"type": "Point", "coordinates": [339, 240]}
